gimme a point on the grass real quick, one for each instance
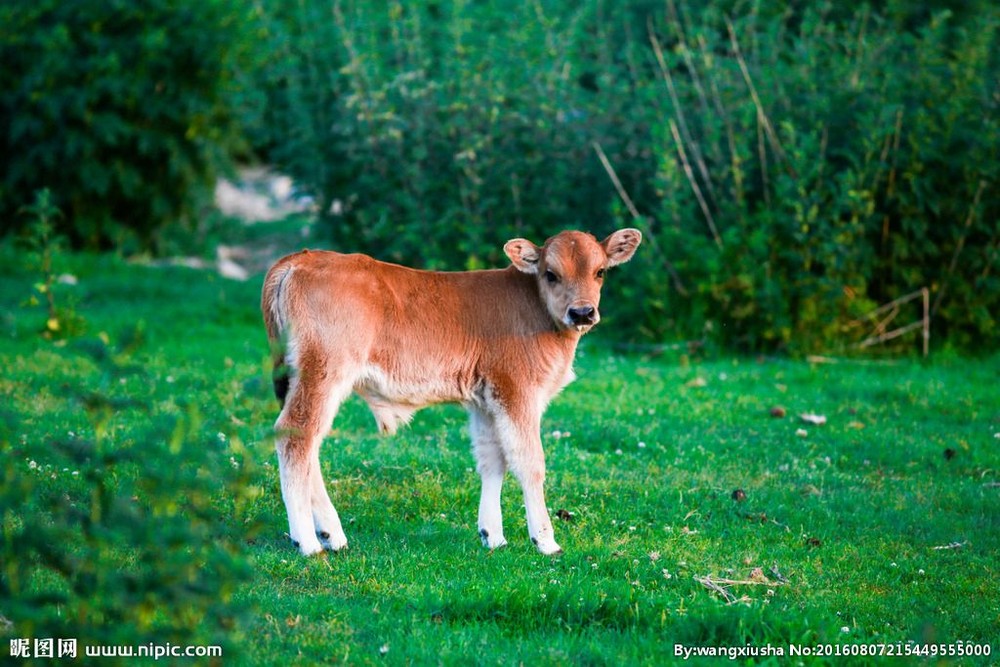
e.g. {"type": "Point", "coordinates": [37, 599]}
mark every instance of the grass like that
{"type": "Point", "coordinates": [836, 537]}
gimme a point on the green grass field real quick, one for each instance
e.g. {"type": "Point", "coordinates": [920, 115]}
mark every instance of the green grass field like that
{"type": "Point", "coordinates": [879, 527]}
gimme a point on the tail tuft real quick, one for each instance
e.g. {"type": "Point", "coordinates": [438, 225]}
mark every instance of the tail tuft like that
{"type": "Point", "coordinates": [272, 307]}
{"type": "Point", "coordinates": [280, 379]}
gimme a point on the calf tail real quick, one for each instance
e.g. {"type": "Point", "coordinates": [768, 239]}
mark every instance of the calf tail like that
{"type": "Point", "coordinates": [272, 306]}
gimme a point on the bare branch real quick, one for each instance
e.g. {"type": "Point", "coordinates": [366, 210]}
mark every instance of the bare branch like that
{"type": "Point", "coordinates": [630, 205]}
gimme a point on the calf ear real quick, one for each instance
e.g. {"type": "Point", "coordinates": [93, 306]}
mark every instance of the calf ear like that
{"type": "Point", "coordinates": [621, 245]}
{"type": "Point", "coordinates": [523, 255]}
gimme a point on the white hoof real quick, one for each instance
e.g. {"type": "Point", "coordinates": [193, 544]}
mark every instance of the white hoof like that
{"type": "Point", "coordinates": [333, 542]}
{"type": "Point", "coordinates": [493, 540]}
{"type": "Point", "coordinates": [309, 546]}
{"type": "Point", "coordinates": [548, 547]}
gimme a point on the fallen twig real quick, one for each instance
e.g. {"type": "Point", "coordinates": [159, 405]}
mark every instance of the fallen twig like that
{"type": "Point", "coordinates": [820, 359]}
{"type": "Point", "coordinates": [713, 586]}
{"type": "Point", "coordinates": [953, 545]}
{"type": "Point", "coordinates": [719, 584]}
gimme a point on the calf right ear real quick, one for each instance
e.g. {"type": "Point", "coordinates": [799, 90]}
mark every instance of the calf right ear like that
{"type": "Point", "coordinates": [523, 254]}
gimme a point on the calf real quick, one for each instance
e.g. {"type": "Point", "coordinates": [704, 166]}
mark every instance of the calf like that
{"type": "Point", "coordinates": [500, 342]}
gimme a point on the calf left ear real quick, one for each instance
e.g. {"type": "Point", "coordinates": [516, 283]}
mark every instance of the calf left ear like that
{"type": "Point", "coordinates": [621, 245]}
{"type": "Point", "coordinates": [523, 254]}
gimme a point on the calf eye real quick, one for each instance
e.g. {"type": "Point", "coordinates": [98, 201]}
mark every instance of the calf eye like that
{"type": "Point", "coordinates": [600, 274]}
{"type": "Point", "coordinates": [551, 277]}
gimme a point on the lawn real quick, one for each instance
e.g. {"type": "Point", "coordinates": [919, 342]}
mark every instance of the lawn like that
{"type": "Point", "coordinates": [142, 500]}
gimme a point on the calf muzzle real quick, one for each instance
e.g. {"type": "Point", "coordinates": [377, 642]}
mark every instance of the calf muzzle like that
{"type": "Point", "coordinates": [582, 315]}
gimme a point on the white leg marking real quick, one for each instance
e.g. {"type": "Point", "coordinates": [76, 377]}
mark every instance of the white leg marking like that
{"type": "Point", "coordinates": [522, 448]}
{"type": "Point", "coordinates": [325, 518]}
{"type": "Point", "coordinates": [294, 472]}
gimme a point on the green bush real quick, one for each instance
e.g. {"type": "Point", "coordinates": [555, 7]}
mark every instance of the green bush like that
{"type": "Point", "coordinates": [860, 174]}
{"type": "Point", "coordinates": [113, 535]}
{"type": "Point", "coordinates": [793, 168]}
{"type": "Point", "coordinates": [122, 109]}
{"type": "Point", "coordinates": [439, 131]}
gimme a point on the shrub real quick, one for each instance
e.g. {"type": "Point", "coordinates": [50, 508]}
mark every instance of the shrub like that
{"type": "Point", "coordinates": [792, 167]}
{"type": "Point", "coordinates": [437, 132]}
{"type": "Point", "coordinates": [814, 168]}
{"type": "Point", "coordinates": [114, 536]}
{"type": "Point", "coordinates": [122, 109]}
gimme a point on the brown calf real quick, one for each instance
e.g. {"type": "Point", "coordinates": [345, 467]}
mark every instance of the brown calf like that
{"type": "Point", "coordinates": [499, 342]}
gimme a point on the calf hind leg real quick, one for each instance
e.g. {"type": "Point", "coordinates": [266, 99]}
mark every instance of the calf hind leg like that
{"type": "Point", "coordinates": [325, 518]}
{"type": "Point", "coordinates": [304, 421]}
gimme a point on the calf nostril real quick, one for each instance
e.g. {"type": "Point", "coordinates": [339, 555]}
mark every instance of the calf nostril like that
{"type": "Point", "coordinates": [584, 315]}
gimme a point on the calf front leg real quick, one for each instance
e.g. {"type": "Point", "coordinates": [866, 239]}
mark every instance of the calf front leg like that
{"type": "Point", "coordinates": [521, 444]}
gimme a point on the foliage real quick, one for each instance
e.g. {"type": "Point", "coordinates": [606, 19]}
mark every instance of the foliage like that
{"type": "Point", "coordinates": [883, 521]}
{"type": "Point", "coordinates": [435, 130]}
{"type": "Point", "coordinates": [836, 182]}
{"type": "Point", "coordinates": [43, 248]}
{"type": "Point", "coordinates": [117, 514]}
{"type": "Point", "coordinates": [122, 109]}
{"type": "Point", "coordinates": [793, 167]}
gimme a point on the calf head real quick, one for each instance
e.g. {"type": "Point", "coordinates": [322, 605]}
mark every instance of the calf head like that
{"type": "Point", "coordinates": [570, 271]}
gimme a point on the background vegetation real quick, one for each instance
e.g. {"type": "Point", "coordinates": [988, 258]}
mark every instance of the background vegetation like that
{"type": "Point", "coordinates": [124, 110]}
{"type": "Point", "coordinates": [793, 165]}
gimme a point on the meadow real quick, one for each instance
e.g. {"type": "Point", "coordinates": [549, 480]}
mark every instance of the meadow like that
{"type": "Point", "coordinates": [696, 508]}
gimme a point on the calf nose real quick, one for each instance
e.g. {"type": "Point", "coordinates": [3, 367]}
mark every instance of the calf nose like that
{"type": "Point", "coordinates": [582, 315]}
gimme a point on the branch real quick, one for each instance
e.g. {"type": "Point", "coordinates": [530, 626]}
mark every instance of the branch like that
{"type": "Point", "coordinates": [761, 115]}
{"type": "Point", "coordinates": [630, 205]}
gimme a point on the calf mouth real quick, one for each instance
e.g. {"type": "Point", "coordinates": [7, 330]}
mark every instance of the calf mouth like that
{"type": "Point", "coordinates": [581, 318]}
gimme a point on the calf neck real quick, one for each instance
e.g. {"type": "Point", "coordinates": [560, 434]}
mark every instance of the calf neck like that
{"type": "Point", "coordinates": [500, 342]}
